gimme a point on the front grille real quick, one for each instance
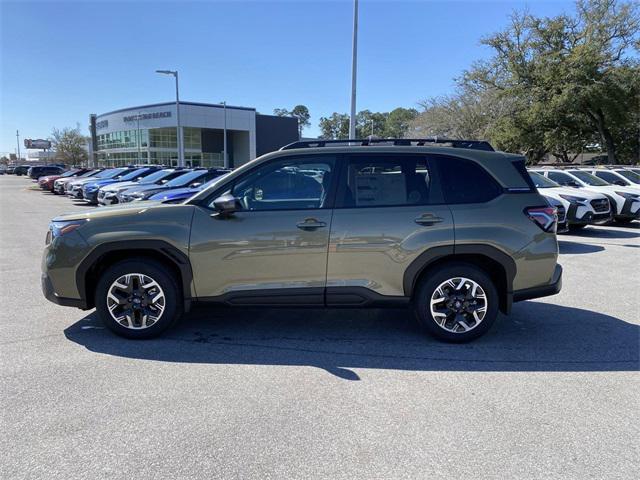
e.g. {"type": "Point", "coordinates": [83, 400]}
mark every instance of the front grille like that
{"type": "Point", "coordinates": [600, 205]}
{"type": "Point", "coordinates": [562, 213]}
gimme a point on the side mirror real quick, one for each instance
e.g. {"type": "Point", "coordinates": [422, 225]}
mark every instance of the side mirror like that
{"type": "Point", "coordinates": [226, 205]}
{"type": "Point", "coordinates": [195, 184]}
{"type": "Point", "coordinates": [573, 183]}
{"type": "Point", "coordinates": [621, 183]}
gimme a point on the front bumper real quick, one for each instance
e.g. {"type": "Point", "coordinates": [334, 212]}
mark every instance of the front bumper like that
{"type": "Point", "coordinates": [91, 197]}
{"type": "Point", "coordinates": [50, 294]}
{"type": "Point", "coordinates": [543, 290]}
{"type": "Point", "coordinates": [110, 198]}
{"type": "Point", "coordinates": [630, 210]}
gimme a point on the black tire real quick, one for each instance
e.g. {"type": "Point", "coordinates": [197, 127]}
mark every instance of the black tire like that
{"type": "Point", "coordinates": [430, 282]}
{"type": "Point", "coordinates": [623, 221]}
{"type": "Point", "coordinates": [575, 227]}
{"type": "Point", "coordinates": [173, 307]}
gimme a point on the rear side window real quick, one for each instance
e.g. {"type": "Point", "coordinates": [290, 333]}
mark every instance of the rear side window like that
{"type": "Point", "coordinates": [385, 181]}
{"type": "Point", "coordinates": [464, 181]}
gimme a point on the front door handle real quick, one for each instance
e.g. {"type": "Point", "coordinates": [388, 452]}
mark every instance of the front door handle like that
{"type": "Point", "coordinates": [428, 219]}
{"type": "Point", "coordinates": [310, 224]}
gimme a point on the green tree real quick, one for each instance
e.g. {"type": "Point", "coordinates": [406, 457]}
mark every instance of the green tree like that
{"type": "Point", "coordinates": [69, 145]}
{"type": "Point", "coordinates": [335, 127]}
{"type": "Point", "coordinates": [568, 77]}
{"type": "Point", "coordinates": [398, 122]}
{"type": "Point", "coordinates": [301, 112]}
{"type": "Point", "coordinates": [370, 123]}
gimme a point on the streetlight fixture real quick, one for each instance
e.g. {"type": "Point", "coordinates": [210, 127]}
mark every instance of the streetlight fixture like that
{"type": "Point", "coordinates": [225, 158]}
{"type": "Point", "coordinates": [179, 131]}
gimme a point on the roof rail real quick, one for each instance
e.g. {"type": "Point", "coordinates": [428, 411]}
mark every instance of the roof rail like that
{"type": "Point", "coordinates": [417, 142]}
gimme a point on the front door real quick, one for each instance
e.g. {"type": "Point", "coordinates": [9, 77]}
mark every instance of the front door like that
{"type": "Point", "coordinates": [274, 249]}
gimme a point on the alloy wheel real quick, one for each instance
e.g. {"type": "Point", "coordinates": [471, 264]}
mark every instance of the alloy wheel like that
{"type": "Point", "coordinates": [136, 301]}
{"type": "Point", "coordinates": [458, 305]}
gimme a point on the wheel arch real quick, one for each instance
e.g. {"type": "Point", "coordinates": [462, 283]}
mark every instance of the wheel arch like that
{"type": "Point", "coordinates": [107, 254]}
{"type": "Point", "coordinates": [498, 265]}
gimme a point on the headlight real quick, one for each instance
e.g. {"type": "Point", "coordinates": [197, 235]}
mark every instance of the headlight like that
{"type": "Point", "coordinates": [57, 229]}
{"type": "Point", "coordinates": [574, 200]}
{"type": "Point", "coordinates": [629, 196]}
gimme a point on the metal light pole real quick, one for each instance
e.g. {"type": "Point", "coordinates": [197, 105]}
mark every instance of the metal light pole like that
{"type": "Point", "coordinates": [138, 136]}
{"type": "Point", "coordinates": [180, 143]}
{"type": "Point", "coordinates": [354, 68]}
{"type": "Point", "coordinates": [18, 140]}
{"type": "Point", "coordinates": [225, 158]}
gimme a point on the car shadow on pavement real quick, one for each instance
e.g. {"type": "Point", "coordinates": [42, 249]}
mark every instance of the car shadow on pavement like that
{"type": "Point", "coordinates": [603, 232]}
{"type": "Point", "coordinates": [575, 248]}
{"type": "Point", "coordinates": [537, 337]}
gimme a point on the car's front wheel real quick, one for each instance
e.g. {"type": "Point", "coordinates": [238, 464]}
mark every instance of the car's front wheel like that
{"type": "Point", "coordinates": [138, 298]}
{"type": "Point", "coordinates": [457, 302]}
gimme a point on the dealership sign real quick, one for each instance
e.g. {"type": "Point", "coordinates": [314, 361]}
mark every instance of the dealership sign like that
{"type": "Point", "coordinates": [147, 116]}
{"type": "Point", "coordinates": [102, 124]}
{"type": "Point", "coordinates": [39, 143]}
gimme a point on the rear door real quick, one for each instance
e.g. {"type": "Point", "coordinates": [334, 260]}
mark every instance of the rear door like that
{"type": "Point", "coordinates": [389, 210]}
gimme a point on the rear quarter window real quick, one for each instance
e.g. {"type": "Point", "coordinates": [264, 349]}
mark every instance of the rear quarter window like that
{"type": "Point", "coordinates": [464, 181]}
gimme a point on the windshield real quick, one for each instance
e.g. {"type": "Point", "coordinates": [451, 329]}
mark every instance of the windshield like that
{"type": "Point", "coordinates": [133, 174]}
{"type": "Point", "coordinates": [542, 182]}
{"type": "Point", "coordinates": [90, 173]}
{"type": "Point", "coordinates": [70, 173]}
{"type": "Point", "coordinates": [110, 173]}
{"type": "Point", "coordinates": [629, 175]}
{"type": "Point", "coordinates": [588, 178]}
{"type": "Point", "coordinates": [155, 176]}
{"type": "Point", "coordinates": [186, 179]}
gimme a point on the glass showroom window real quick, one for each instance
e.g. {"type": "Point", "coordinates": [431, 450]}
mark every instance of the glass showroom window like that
{"type": "Point", "coordinates": [163, 138]}
{"type": "Point", "coordinates": [192, 138]}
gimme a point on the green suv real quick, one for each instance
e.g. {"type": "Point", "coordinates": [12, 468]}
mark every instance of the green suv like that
{"type": "Point", "coordinates": [451, 228]}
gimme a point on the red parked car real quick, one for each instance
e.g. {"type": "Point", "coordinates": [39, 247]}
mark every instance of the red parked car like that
{"type": "Point", "coordinates": [46, 183]}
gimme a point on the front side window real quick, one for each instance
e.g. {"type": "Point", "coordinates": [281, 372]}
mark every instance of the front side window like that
{"type": "Point", "coordinates": [385, 181]}
{"type": "Point", "coordinates": [629, 175]}
{"type": "Point", "coordinates": [464, 181]}
{"type": "Point", "coordinates": [563, 179]}
{"type": "Point", "coordinates": [611, 177]}
{"type": "Point", "coordinates": [589, 179]}
{"type": "Point", "coordinates": [288, 184]}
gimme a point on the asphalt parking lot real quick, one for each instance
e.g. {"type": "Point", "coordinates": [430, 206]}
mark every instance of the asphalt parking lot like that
{"type": "Point", "coordinates": [550, 392]}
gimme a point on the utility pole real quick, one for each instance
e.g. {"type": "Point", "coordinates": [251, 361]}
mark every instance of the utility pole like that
{"type": "Point", "coordinates": [18, 140]}
{"type": "Point", "coordinates": [138, 136]}
{"type": "Point", "coordinates": [225, 158]}
{"type": "Point", "coordinates": [179, 131]}
{"type": "Point", "coordinates": [354, 68]}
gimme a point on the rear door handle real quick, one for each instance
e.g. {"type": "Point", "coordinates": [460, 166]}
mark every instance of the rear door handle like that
{"type": "Point", "coordinates": [428, 219]}
{"type": "Point", "coordinates": [310, 224]}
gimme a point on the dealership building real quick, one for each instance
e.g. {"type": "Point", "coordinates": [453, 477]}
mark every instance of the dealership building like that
{"type": "Point", "coordinates": [148, 134]}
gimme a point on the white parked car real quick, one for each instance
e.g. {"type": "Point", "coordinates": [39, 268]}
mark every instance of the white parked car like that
{"type": "Point", "coordinates": [625, 201]}
{"type": "Point", "coordinates": [582, 207]}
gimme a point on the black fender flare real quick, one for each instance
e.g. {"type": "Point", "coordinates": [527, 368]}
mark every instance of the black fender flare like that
{"type": "Point", "coordinates": [164, 249]}
{"type": "Point", "coordinates": [432, 255]}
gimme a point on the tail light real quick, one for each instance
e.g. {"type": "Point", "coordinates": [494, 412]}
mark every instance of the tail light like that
{"type": "Point", "coordinates": [545, 217]}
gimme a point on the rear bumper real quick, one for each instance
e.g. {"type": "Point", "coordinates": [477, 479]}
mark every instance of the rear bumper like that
{"type": "Point", "coordinates": [543, 290]}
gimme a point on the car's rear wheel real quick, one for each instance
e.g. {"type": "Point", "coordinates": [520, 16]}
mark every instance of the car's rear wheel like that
{"type": "Point", "coordinates": [457, 302]}
{"type": "Point", "coordinates": [138, 298]}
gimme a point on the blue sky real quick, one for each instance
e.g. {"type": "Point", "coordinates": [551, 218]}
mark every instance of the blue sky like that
{"type": "Point", "coordinates": [61, 61]}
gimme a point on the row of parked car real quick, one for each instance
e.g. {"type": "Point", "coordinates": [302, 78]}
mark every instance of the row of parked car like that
{"type": "Point", "coordinates": [108, 186]}
{"type": "Point", "coordinates": [590, 195]}
{"type": "Point", "coordinates": [582, 195]}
